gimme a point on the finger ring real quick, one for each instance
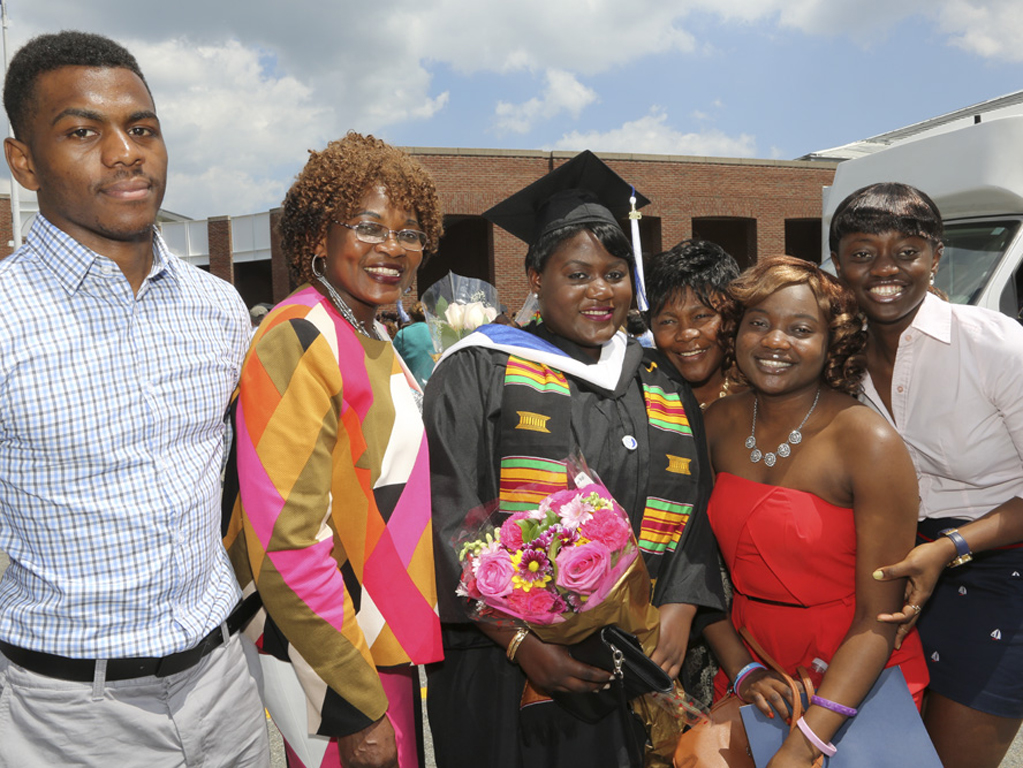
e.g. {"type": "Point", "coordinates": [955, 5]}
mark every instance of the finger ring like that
{"type": "Point", "coordinates": [916, 608]}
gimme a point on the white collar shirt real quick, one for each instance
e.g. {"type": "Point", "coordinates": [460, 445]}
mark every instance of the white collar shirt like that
{"type": "Point", "coordinates": [957, 401]}
{"type": "Point", "coordinates": [112, 437]}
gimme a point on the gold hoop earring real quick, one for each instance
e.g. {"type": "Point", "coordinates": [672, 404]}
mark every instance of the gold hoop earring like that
{"type": "Point", "coordinates": [312, 266]}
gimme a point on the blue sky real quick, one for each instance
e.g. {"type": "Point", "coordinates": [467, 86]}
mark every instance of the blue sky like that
{"type": "Point", "coordinates": [245, 88]}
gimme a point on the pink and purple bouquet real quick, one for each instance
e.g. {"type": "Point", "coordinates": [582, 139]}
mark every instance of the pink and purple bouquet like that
{"type": "Point", "coordinates": [565, 569]}
{"type": "Point", "coordinates": [543, 565]}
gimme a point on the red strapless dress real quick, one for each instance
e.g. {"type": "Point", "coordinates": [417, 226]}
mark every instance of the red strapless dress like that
{"type": "Point", "coordinates": [792, 559]}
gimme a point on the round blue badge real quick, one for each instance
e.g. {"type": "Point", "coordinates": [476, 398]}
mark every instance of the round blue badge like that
{"type": "Point", "coordinates": [630, 442]}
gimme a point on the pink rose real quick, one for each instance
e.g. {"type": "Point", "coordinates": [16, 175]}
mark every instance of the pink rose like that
{"type": "Point", "coordinates": [536, 602]}
{"type": "Point", "coordinates": [511, 531]}
{"type": "Point", "coordinates": [581, 569]}
{"type": "Point", "coordinates": [494, 574]}
{"type": "Point", "coordinates": [608, 528]}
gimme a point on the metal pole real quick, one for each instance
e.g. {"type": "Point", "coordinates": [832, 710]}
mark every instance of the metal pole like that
{"type": "Point", "coordinates": [15, 187]}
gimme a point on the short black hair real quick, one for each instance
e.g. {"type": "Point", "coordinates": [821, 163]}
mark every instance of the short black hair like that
{"type": "Point", "coordinates": [701, 266]}
{"type": "Point", "coordinates": [887, 206]}
{"type": "Point", "coordinates": [46, 53]}
{"type": "Point", "coordinates": [608, 235]}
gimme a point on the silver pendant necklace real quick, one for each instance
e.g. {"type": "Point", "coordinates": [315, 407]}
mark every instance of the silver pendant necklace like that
{"type": "Point", "coordinates": [346, 311]}
{"type": "Point", "coordinates": [785, 449]}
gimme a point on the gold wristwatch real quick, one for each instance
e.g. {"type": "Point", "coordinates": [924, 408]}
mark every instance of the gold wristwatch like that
{"type": "Point", "coordinates": [963, 553]}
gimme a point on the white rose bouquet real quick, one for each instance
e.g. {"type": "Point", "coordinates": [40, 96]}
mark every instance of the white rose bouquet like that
{"type": "Point", "coordinates": [455, 306]}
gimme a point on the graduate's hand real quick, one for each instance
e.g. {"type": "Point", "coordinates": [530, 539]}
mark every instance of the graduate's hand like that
{"type": "Point", "coordinates": [551, 668]}
{"type": "Point", "coordinates": [372, 747]}
{"type": "Point", "coordinates": [676, 621]}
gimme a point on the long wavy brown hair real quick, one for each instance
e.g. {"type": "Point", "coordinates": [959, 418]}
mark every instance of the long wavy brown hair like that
{"type": "Point", "coordinates": [333, 183]}
{"type": "Point", "coordinates": [845, 364]}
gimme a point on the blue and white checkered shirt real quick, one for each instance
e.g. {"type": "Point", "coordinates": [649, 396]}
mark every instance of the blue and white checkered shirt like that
{"type": "Point", "coordinates": [111, 442]}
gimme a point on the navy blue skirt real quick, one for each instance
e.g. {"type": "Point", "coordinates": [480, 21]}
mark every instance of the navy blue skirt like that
{"type": "Point", "coordinates": [972, 628]}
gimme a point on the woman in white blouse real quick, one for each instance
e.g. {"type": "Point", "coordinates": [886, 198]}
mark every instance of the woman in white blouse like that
{"type": "Point", "coordinates": [950, 379]}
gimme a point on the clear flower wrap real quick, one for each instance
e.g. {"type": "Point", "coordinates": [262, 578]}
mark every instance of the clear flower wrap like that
{"type": "Point", "coordinates": [455, 306]}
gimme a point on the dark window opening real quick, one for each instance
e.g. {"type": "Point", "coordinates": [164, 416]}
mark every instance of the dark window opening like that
{"type": "Point", "coordinates": [737, 236]}
{"type": "Point", "coordinates": [465, 249]}
{"type": "Point", "coordinates": [803, 239]}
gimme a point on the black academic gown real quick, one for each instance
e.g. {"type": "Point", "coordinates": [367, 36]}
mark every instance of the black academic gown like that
{"type": "Point", "coordinates": [474, 694]}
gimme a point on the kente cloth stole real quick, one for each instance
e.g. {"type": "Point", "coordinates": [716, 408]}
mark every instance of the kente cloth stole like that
{"type": "Point", "coordinates": [536, 438]}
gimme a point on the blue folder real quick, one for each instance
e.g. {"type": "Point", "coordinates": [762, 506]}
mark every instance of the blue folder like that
{"type": "Point", "coordinates": [887, 732]}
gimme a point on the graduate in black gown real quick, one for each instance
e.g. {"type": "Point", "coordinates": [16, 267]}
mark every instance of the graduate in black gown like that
{"type": "Point", "coordinates": [505, 407]}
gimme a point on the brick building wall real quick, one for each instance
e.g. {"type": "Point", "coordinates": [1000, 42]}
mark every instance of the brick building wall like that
{"type": "Point", "coordinates": [280, 272]}
{"type": "Point", "coordinates": [218, 229]}
{"type": "Point", "coordinates": [6, 227]}
{"type": "Point", "coordinates": [742, 204]}
{"type": "Point", "coordinates": [681, 190]}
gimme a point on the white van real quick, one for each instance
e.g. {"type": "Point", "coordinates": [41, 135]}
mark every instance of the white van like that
{"type": "Point", "coordinates": [975, 175]}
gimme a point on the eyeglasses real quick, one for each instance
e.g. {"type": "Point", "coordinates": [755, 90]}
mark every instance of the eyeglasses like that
{"type": "Point", "coordinates": [374, 234]}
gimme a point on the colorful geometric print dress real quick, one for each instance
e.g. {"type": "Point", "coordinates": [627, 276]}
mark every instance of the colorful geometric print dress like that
{"type": "Point", "coordinates": [331, 523]}
{"type": "Point", "coordinates": [792, 559]}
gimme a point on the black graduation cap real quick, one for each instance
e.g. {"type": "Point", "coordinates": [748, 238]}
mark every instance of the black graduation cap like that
{"type": "Point", "coordinates": [582, 191]}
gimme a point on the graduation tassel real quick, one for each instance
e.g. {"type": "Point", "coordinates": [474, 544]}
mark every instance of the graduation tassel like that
{"type": "Point", "coordinates": [637, 249]}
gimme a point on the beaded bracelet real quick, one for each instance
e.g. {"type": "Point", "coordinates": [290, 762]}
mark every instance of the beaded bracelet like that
{"type": "Point", "coordinates": [751, 667]}
{"type": "Point", "coordinates": [516, 641]}
{"type": "Point", "coordinates": [834, 706]}
{"type": "Point", "coordinates": [828, 749]}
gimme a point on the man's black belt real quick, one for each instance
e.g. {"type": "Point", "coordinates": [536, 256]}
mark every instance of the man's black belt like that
{"type": "Point", "coordinates": [84, 670]}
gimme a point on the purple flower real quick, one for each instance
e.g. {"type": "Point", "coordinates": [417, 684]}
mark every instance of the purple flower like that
{"type": "Point", "coordinates": [534, 565]}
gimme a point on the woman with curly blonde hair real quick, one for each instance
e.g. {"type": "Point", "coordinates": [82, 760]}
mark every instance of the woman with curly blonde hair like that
{"type": "Point", "coordinates": [845, 364]}
{"type": "Point", "coordinates": [331, 521]}
{"type": "Point", "coordinates": [813, 492]}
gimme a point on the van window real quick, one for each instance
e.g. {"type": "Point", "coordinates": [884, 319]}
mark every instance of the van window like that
{"type": "Point", "coordinates": [972, 252]}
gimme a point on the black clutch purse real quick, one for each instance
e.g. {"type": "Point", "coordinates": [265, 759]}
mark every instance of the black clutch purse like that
{"type": "Point", "coordinates": [620, 653]}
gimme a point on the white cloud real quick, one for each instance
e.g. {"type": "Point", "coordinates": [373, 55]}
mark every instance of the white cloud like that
{"type": "Point", "coordinates": [584, 36]}
{"type": "Point", "coordinates": [245, 88]}
{"type": "Point", "coordinates": [431, 107]}
{"type": "Point", "coordinates": [230, 126]}
{"type": "Point", "coordinates": [564, 93]}
{"type": "Point", "coordinates": [991, 30]}
{"type": "Point", "coordinates": [222, 190]}
{"type": "Point", "coordinates": [652, 134]}
{"type": "Point", "coordinates": [853, 18]}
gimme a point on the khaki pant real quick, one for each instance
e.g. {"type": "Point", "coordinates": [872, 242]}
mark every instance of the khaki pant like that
{"type": "Point", "coordinates": [210, 716]}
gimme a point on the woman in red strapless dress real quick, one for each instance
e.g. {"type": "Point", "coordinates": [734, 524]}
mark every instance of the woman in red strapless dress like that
{"type": "Point", "coordinates": [813, 493]}
{"type": "Point", "coordinates": [792, 559]}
